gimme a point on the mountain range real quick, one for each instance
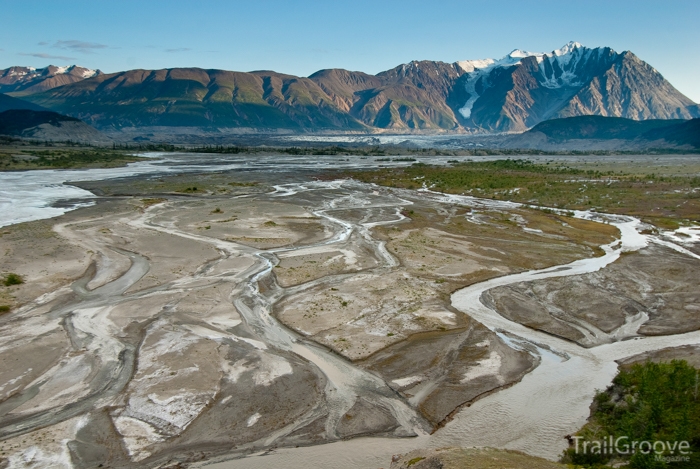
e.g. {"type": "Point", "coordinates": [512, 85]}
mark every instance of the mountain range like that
{"type": "Point", "coordinates": [510, 94]}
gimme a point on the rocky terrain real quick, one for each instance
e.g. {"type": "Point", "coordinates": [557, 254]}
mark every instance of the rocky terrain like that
{"type": "Point", "coordinates": [137, 296]}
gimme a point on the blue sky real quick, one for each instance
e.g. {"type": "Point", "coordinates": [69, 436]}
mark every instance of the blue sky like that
{"type": "Point", "coordinates": [300, 37]}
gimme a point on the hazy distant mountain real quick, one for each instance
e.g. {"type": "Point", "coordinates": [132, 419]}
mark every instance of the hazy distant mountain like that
{"type": "Point", "coordinates": [33, 80]}
{"type": "Point", "coordinates": [8, 102]}
{"type": "Point", "coordinates": [510, 94]}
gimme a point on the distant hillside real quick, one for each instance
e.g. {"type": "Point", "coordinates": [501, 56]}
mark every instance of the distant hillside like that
{"type": "Point", "coordinates": [201, 98]}
{"type": "Point", "coordinates": [47, 125]}
{"type": "Point", "coordinates": [510, 94]}
{"type": "Point", "coordinates": [608, 133]}
{"type": "Point", "coordinates": [599, 127]}
{"type": "Point", "coordinates": [686, 133]}
{"type": "Point", "coordinates": [8, 102]}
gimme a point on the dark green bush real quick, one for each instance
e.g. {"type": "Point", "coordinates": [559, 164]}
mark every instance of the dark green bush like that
{"type": "Point", "coordinates": [13, 279]}
{"type": "Point", "coordinates": [647, 402]}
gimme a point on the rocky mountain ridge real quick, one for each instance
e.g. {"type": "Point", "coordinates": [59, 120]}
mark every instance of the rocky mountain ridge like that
{"type": "Point", "coordinates": [27, 80]}
{"type": "Point", "coordinates": [511, 94]}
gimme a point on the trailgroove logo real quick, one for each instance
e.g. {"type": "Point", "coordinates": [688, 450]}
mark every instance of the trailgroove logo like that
{"type": "Point", "coordinates": [666, 451]}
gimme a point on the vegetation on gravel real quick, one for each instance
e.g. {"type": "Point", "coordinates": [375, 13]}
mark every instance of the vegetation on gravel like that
{"type": "Point", "coordinates": [13, 279]}
{"type": "Point", "coordinates": [662, 200]}
{"type": "Point", "coordinates": [62, 157]}
{"type": "Point", "coordinates": [655, 402]}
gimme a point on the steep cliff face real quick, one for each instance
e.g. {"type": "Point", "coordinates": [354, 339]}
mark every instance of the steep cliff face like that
{"type": "Point", "coordinates": [410, 96]}
{"type": "Point", "coordinates": [629, 88]}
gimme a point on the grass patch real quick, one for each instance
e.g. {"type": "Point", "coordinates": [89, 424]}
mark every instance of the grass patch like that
{"type": "Point", "coordinates": [657, 198]}
{"type": "Point", "coordinates": [152, 201]}
{"type": "Point", "coordinates": [20, 158]}
{"type": "Point", "coordinates": [243, 184]}
{"type": "Point", "coordinates": [13, 279]}
{"type": "Point", "coordinates": [4, 309]}
{"type": "Point", "coordinates": [205, 183]}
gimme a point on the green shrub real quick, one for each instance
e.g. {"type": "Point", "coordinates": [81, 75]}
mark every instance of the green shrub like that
{"type": "Point", "coordinates": [13, 279]}
{"type": "Point", "coordinates": [647, 402]}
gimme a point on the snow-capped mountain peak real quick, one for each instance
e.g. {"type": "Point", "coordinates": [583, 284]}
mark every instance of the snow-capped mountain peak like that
{"type": "Point", "coordinates": [519, 54]}
{"type": "Point", "coordinates": [568, 48]}
{"type": "Point", "coordinates": [558, 69]}
{"type": "Point", "coordinates": [72, 69]}
{"type": "Point", "coordinates": [39, 79]}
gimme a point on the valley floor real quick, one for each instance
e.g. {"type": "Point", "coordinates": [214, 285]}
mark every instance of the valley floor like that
{"type": "Point", "coordinates": [163, 326]}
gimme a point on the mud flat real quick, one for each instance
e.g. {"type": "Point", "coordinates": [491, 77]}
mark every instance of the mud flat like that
{"type": "Point", "coordinates": [314, 323]}
{"type": "Point", "coordinates": [657, 287]}
{"type": "Point", "coordinates": [472, 458]}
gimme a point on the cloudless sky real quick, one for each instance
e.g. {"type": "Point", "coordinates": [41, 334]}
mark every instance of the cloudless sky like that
{"type": "Point", "coordinates": [301, 37]}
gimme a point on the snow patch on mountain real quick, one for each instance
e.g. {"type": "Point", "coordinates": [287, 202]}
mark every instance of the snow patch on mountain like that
{"type": "Point", "coordinates": [558, 69]}
{"type": "Point", "coordinates": [479, 70]}
{"type": "Point", "coordinates": [51, 70]}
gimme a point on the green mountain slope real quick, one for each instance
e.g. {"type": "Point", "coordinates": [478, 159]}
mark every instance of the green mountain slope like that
{"type": "Point", "coordinates": [674, 131]}
{"type": "Point", "coordinates": [8, 103]}
{"type": "Point", "coordinates": [685, 133]}
{"type": "Point", "coordinates": [197, 97]}
{"type": "Point", "coordinates": [599, 127]}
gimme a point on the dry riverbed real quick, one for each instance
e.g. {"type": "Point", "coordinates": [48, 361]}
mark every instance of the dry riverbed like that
{"type": "Point", "coordinates": [164, 326]}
